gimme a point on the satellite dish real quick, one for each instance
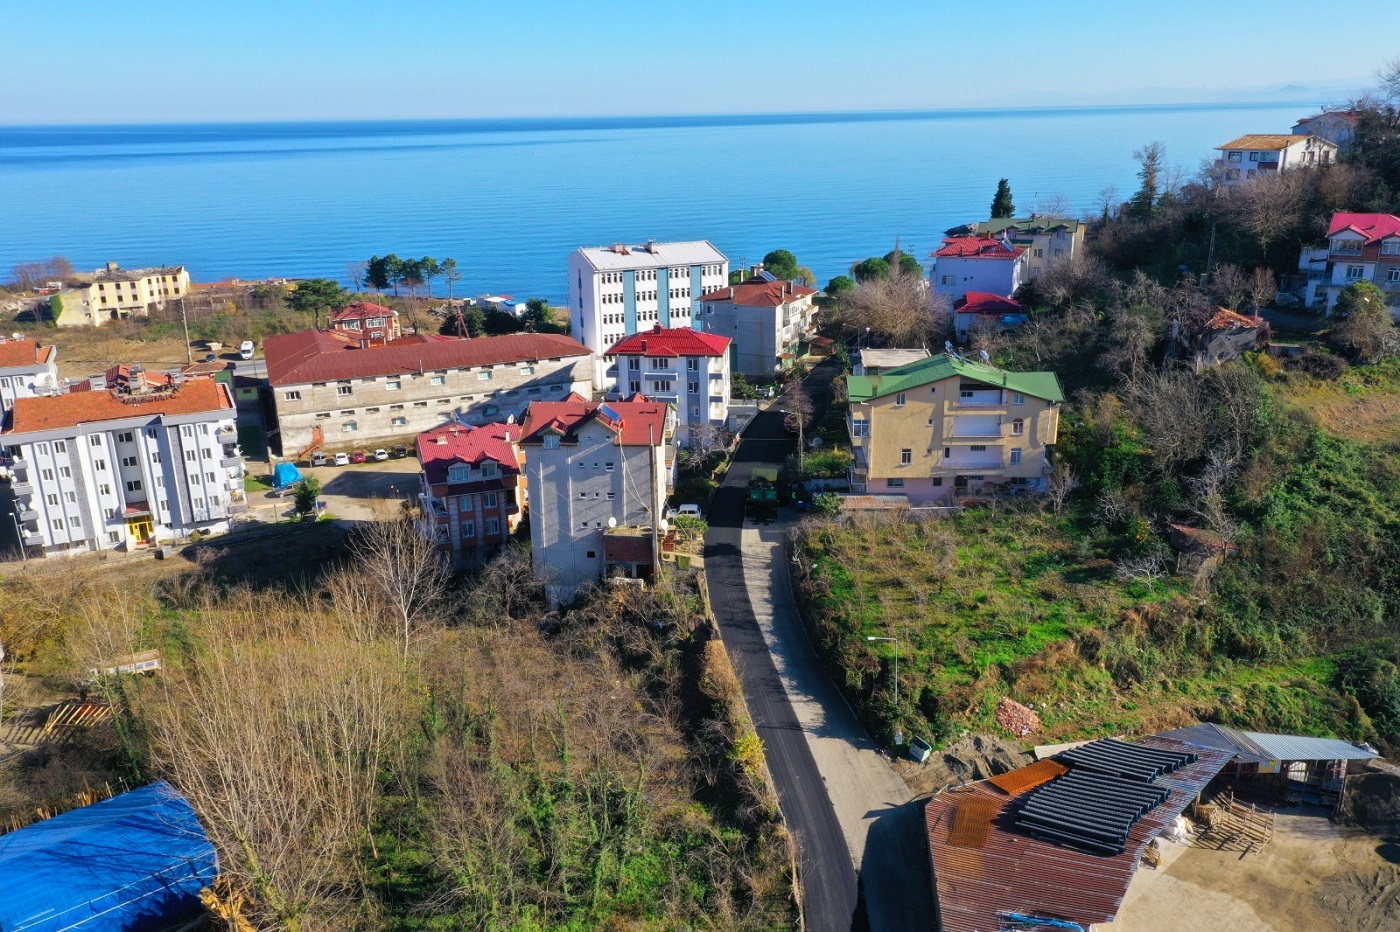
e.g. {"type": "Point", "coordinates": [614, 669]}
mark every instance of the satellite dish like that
{"type": "Point", "coordinates": [948, 347]}
{"type": "Point", "coordinates": [612, 522]}
{"type": "Point", "coordinates": [510, 418]}
{"type": "Point", "coordinates": [986, 360]}
{"type": "Point", "coordinates": [664, 525]}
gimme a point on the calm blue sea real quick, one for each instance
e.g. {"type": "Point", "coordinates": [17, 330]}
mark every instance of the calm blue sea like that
{"type": "Point", "coordinates": [509, 199]}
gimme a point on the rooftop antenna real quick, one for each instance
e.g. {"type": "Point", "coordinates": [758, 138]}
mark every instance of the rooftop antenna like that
{"type": "Point", "coordinates": [986, 360]}
{"type": "Point", "coordinates": [948, 347]}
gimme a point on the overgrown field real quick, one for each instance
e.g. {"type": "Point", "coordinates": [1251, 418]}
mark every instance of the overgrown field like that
{"type": "Point", "coordinates": [1080, 614]}
{"type": "Point", "coordinates": [381, 750]}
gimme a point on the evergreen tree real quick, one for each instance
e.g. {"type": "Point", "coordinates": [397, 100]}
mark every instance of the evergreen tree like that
{"type": "Point", "coordinates": [1002, 206]}
{"type": "Point", "coordinates": [1145, 200]}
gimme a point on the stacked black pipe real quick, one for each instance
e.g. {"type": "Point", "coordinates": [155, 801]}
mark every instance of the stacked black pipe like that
{"type": "Point", "coordinates": [1109, 787]}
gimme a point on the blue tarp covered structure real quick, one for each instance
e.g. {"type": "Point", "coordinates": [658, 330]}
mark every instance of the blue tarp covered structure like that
{"type": "Point", "coordinates": [134, 862]}
{"type": "Point", "coordinates": [286, 474]}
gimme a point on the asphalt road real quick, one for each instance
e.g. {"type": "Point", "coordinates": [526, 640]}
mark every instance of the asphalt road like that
{"type": "Point", "coordinates": [828, 876]}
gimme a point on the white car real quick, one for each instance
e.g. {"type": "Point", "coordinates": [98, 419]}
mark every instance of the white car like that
{"type": "Point", "coordinates": [245, 349]}
{"type": "Point", "coordinates": [381, 455]}
{"type": "Point", "coordinates": [691, 511]}
{"type": "Point", "coordinates": [342, 459]}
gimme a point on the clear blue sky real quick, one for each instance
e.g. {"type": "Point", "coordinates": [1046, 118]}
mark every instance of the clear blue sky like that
{"type": "Point", "coordinates": [160, 61]}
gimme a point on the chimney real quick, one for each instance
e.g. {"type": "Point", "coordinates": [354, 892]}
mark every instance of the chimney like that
{"type": "Point", "coordinates": [112, 266]}
{"type": "Point", "coordinates": [651, 246]}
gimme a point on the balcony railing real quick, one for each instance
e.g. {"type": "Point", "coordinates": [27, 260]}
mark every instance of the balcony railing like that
{"type": "Point", "coordinates": [231, 462]}
{"type": "Point", "coordinates": [33, 538]}
{"type": "Point", "coordinates": [979, 403]}
{"type": "Point", "coordinates": [985, 461]}
{"type": "Point", "coordinates": [22, 487]}
{"type": "Point", "coordinates": [975, 433]}
{"type": "Point", "coordinates": [226, 436]}
{"type": "Point", "coordinates": [29, 514]}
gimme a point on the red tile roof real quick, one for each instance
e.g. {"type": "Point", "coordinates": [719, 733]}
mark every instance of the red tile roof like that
{"type": "Point", "coordinates": [57, 411]}
{"type": "Point", "coordinates": [1374, 227]}
{"type": "Point", "coordinates": [976, 247]}
{"type": "Point", "coordinates": [442, 447]}
{"type": "Point", "coordinates": [15, 353]}
{"type": "Point", "coordinates": [641, 422]}
{"type": "Point", "coordinates": [122, 375]}
{"type": "Point", "coordinates": [362, 309]}
{"type": "Point", "coordinates": [325, 355]}
{"type": "Point", "coordinates": [757, 292]}
{"type": "Point", "coordinates": [1351, 116]}
{"type": "Point", "coordinates": [1015, 872]}
{"type": "Point", "coordinates": [1226, 319]}
{"type": "Point", "coordinates": [980, 302]}
{"type": "Point", "coordinates": [678, 341]}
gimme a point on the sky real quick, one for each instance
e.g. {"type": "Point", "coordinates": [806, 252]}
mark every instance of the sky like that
{"type": "Point", "coordinates": [156, 61]}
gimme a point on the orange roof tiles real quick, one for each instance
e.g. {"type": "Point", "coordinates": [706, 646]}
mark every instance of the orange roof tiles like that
{"type": "Point", "coordinates": [976, 247]}
{"type": "Point", "coordinates": [1264, 142]}
{"type": "Point", "coordinates": [17, 353]}
{"type": "Point", "coordinates": [678, 341]}
{"type": "Point", "coordinates": [757, 292]}
{"type": "Point", "coordinates": [54, 412]}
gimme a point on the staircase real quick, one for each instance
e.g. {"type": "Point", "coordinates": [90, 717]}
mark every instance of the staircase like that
{"type": "Point", "coordinates": [317, 440]}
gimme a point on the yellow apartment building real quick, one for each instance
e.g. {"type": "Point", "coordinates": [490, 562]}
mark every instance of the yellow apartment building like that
{"type": "Point", "coordinates": [947, 425]}
{"type": "Point", "coordinates": [114, 293]}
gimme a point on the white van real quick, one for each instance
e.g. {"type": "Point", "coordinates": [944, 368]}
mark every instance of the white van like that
{"type": "Point", "coordinates": [245, 350]}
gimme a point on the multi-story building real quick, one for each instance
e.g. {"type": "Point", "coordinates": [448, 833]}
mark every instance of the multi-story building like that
{"type": "Point", "coordinates": [615, 291]}
{"type": "Point", "coordinates": [946, 425]}
{"type": "Point", "coordinates": [993, 265]}
{"type": "Point", "coordinates": [139, 463]}
{"type": "Point", "coordinates": [473, 493]}
{"type": "Point", "coordinates": [1336, 126]}
{"type": "Point", "coordinates": [372, 324]}
{"type": "Point", "coordinates": [1360, 247]}
{"type": "Point", "coordinates": [1250, 156]}
{"type": "Point", "coordinates": [27, 368]}
{"type": "Point", "coordinates": [329, 391]}
{"type": "Point", "coordinates": [766, 317]}
{"type": "Point", "coordinates": [683, 367]}
{"type": "Point", "coordinates": [594, 471]}
{"type": "Point", "coordinates": [1047, 240]}
{"type": "Point", "coordinates": [114, 293]}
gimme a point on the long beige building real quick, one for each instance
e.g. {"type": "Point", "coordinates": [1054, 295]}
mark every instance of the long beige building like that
{"type": "Point", "coordinates": [330, 392]}
{"type": "Point", "coordinates": [946, 425]}
{"type": "Point", "coordinates": [114, 293]}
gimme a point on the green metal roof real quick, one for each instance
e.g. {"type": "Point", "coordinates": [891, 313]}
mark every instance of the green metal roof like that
{"type": "Point", "coordinates": [861, 388]}
{"type": "Point", "coordinates": [1025, 224]}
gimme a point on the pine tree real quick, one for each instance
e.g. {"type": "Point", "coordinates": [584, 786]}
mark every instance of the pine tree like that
{"type": "Point", "coordinates": [1001, 204]}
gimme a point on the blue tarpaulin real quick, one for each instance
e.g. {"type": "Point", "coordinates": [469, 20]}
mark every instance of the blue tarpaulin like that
{"type": "Point", "coordinates": [286, 474]}
{"type": "Point", "coordinates": [133, 862]}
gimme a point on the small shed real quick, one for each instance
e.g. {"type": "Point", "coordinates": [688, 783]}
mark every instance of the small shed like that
{"type": "Point", "coordinates": [286, 474]}
{"type": "Point", "coordinates": [134, 862]}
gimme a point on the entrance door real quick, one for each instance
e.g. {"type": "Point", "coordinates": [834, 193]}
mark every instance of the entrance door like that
{"type": "Point", "coordinates": [141, 528]}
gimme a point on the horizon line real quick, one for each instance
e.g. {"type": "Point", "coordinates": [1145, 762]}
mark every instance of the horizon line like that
{"type": "Point", "coordinates": [777, 115]}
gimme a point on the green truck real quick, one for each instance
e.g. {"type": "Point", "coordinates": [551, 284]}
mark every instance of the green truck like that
{"type": "Point", "coordinates": [763, 492]}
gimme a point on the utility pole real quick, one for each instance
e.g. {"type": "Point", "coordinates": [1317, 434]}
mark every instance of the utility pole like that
{"type": "Point", "coordinates": [655, 508]}
{"type": "Point", "coordinates": [189, 354]}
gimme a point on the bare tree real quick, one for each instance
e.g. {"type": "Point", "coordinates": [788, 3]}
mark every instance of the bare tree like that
{"type": "Point", "coordinates": [1108, 202]}
{"type": "Point", "coordinates": [1229, 285]}
{"type": "Point", "coordinates": [799, 410]}
{"type": "Point", "coordinates": [1266, 206]}
{"type": "Point", "coordinates": [1128, 342]}
{"type": "Point", "coordinates": [899, 308]}
{"type": "Point", "coordinates": [355, 271]}
{"type": "Point", "coordinates": [1149, 569]}
{"type": "Point", "coordinates": [1059, 486]}
{"type": "Point", "coordinates": [1067, 283]}
{"type": "Point", "coordinates": [405, 568]}
{"type": "Point", "coordinates": [1263, 287]}
{"type": "Point", "coordinates": [1209, 502]}
{"type": "Point", "coordinates": [1058, 206]}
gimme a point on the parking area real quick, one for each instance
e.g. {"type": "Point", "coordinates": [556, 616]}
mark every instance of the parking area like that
{"type": "Point", "coordinates": [354, 492]}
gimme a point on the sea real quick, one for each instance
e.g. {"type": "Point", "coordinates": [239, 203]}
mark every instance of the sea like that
{"type": "Point", "coordinates": [509, 199]}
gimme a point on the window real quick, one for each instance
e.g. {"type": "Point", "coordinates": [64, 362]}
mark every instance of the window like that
{"type": "Point", "coordinates": [899, 400]}
{"type": "Point", "coordinates": [57, 524]}
{"type": "Point", "coordinates": [894, 483]}
{"type": "Point", "coordinates": [978, 448]}
{"type": "Point", "coordinates": [1018, 427]}
{"type": "Point", "coordinates": [906, 457]}
{"type": "Point", "coordinates": [1232, 175]}
{"type": "Point", "coordinates": [1254, 156]}
{"type": "Point", "coordinates": [1016, 456]}
{"type": "Point", "coordinates": [75, 522]}
{"type": "Point", "coordinates": [860, 428]}
{"type": "Point", "coordinates": [1040, 253]}
{"type": "Point", "coordinates": [291, 396]}
{"type": "Point", "coordinates": [937, 481]}
{"type": "Point", "coordinates": [155, 458]}
{"type": "Point", "coordinates": [114, 537]}
{"type": "Point", "coordinates": [612, 496]}
{"type": "Point", "coordinates": [60, 446]}
{"type": "Point", "coordinates": [160, 482]}
{"type": "Point", "coordinates": [484, 375]}
{"type": "Point", "coordinates": [488, 500]}
{"type": "Point", "coordinates": [190, 456]}
{"type": "Point", "coordinates": [493, 526]}
{"type": "Point", "coordinates": [693, 365]}
{"type": "Point", "coordinates": [438, 380]}
{"type": "Point", "coordinates": [947, 280]}
{"type": "Point", "coordinates": [398, 422]}
{"type": "Point", "coordinates": [1390, 247]}
{"type": "Point", "coordinates": [634, 386]}
{"type": "Point", "coordinates": [1018, 399]}
{"type": "Point", "coordinates": [1392, 276]}
{"type": "Point", "coordinates": [661, 386]}
{"type": "Point", "coordinates": [104, 489]}
{"type": "Point", "coordinates": [393, 385]}
{"type": "Point", "coordinates": [99, 465]}
{"type": "Point", "coordinates": [349, 427]}
{"type": "Point", "coordinates": [198, 503]}
{"type": "Point", "coordinates": [1234, 156]}
{"type": "Point", "coordinates": [52, 499]}
{"type": "Point", "coordinates": [65, 473]}
{"type": "Point", "coordinates": [693, 387]}
{"type": "Point", "coordinates": [133, 485]}
{"type": "Point", "coordinates": [94, 439]}
{"type": "Point", "coordinates": [634, 363]}
{"type": "Point", "coordinates": [322, 415]}
{"type": "Point", "coordinates": [209, 478]}
{"type": "Point", "coordinates": [551, 441]}
{"type": "Point", "coordinates": [965, 393]}
{"type": "Point", "coordinates": [468, 528]}
{"type": "Point", "coordinates": [527, 370]}
{"type": "Point", "coordinates": [1354, 272]}
{"type": "Point", "coordinates": [344, 390]}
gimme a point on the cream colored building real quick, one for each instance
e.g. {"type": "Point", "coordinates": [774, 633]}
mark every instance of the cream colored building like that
{"type": "Point", "coordinates": [115, 293]}
{"type": "Point", "coordinates": [1047, 240]}
{"type": "Point", "coordinates": [947, 425]}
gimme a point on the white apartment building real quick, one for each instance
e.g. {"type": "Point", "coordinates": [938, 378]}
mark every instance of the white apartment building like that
{"type": "Point", "coordinates": [114, 293]}
{"type": "Point", "coordinates": [991, 265]}
{"type": "Point", "coordinates": [1250, 156]}
{"type": "Point", "coordinates": [142, 463]}
{"type": "Point", "coordinates": [27, 369]}
{"type": "Point", "coordinates": [682, 367]}
{"type": "Point", "coordinates": [616, 291]}
{"type": "Point", "coordinates": [598, 473]}
{"type": "Point", "coordinates": [766, 317]}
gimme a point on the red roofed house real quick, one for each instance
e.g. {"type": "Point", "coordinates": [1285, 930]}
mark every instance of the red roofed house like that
{"type": "Point", "coordinates": [372, 324]}
{"type": "Point", "coordinates": [329, 390]}
{"type": "Point", "coordinates": [686, 368]}
{"type": "Point", "coordinates": [27, 368]}
{"type": "Point", "coordinates": [473, 487]}
{"type": "Point", "coordinates": [595, 470]}
{"type": "Point", "coordinates": [985, 264]}
{"type": "Point", "coordinates": [144, 461]}
{"type": "Point", "coordinates": [766, 318]}
{"type": "Point", "coordinates": [978, 310]}
{"type": "Point", "coordinates": [1362, 247]}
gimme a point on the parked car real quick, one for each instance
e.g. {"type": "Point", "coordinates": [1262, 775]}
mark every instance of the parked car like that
{"type": "Point", "coordinates": [319, 459]}
{"type": "Point", "coordinates": [359, 456]}
{"type": "Point", "coordinates": [211, 357]}
{"type": "Point", "coordinates": [380, 455]}
{"type": "Point", "coordinates": [692, 511]}
{"type": "Point", "coordinates": [245, 350]}
{"type": "Point", "coordinates": [342, 459]}
{"type": "Point", "coordinates": [399, 451]}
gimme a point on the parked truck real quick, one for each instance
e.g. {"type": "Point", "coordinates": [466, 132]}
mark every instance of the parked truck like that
{"type": "Point", "coordinates": [762, 501]}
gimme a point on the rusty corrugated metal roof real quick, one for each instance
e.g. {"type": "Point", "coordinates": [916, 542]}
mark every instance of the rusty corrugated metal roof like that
{"type": "Point", "coordinates": [1016, 782]}
{"type": "Point", "coordinates": [1014, 872]}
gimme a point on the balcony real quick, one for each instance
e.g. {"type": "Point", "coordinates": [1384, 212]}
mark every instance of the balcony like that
{"type": "Point", "coordinates": [22, 487]}
{"type": "Point", "coordinates": [974, 461]}
{"type": "Point", "coordinates": [33, 538]}
{"type": "Point", "coordinates": [226, 435]}
{"type": "Point", "coordinates": [28, 513]}
{"type": "Point", "coordinates": [231, 462]}
{"type": "Point", "coordinates": [237, 508]}
{"type": "Point", "coordinates": [983, 403]}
